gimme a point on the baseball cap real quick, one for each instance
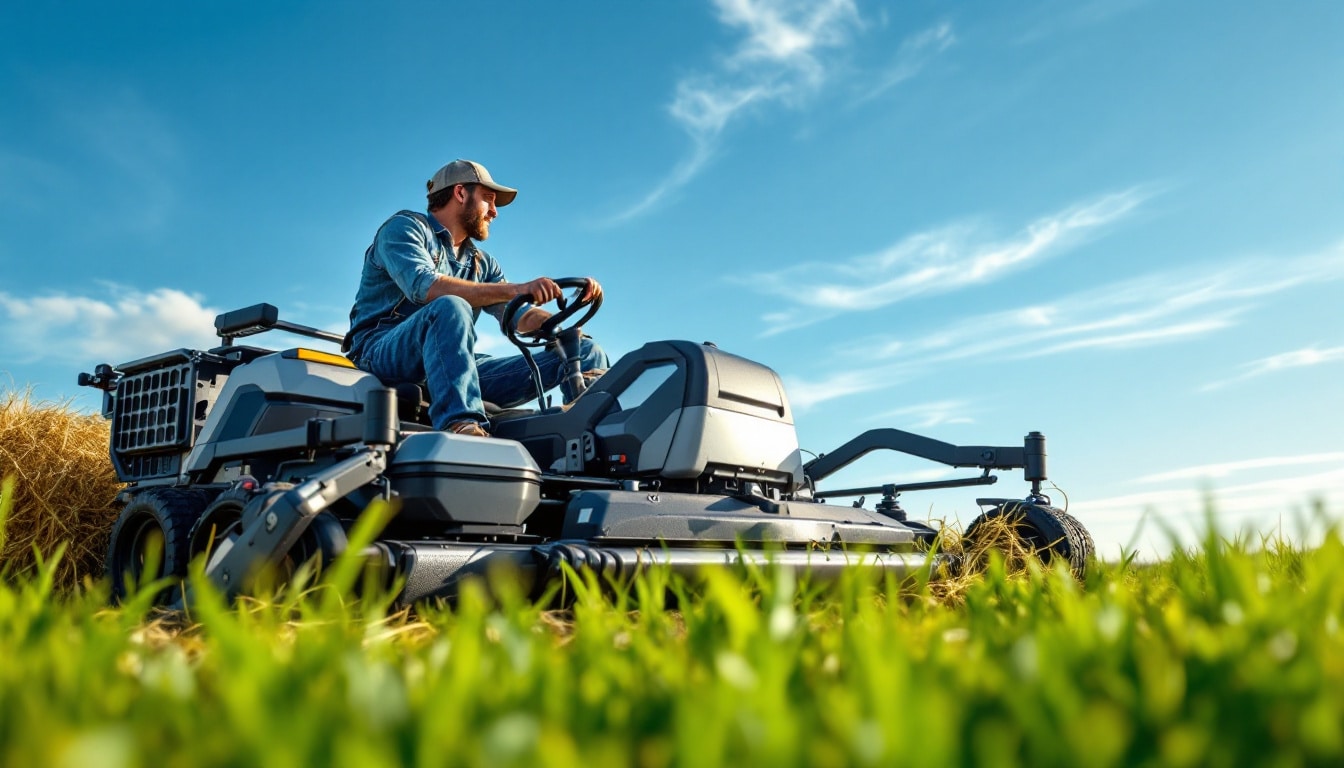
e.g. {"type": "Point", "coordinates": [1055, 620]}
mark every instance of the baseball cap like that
{"type": "Point", "coordinates": [468, 172]}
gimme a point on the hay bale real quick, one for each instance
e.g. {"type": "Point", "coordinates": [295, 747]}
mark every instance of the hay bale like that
{"type": "Point", "coordinates": [64, 486]}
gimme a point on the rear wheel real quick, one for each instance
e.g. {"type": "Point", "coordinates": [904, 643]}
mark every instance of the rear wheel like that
{"type": "Point", "coordinates": [1019, 529]}
{"type": "Point", "coordinates": [149, 539]}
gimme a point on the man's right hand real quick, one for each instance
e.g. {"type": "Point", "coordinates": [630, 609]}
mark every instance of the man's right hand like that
{"type": "Point", "coordinates": [543, 290]}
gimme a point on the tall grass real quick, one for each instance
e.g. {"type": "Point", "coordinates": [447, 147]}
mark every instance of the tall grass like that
{"type": "Point", "coordinates": [1227, 654]}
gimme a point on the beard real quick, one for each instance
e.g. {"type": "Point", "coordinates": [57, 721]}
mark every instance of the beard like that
{"type": "Point", "coordinates": [476, 225]}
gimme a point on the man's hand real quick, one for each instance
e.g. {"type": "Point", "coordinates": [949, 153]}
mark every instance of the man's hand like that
{"type": "Point", "coordinates": [532, 319]}
{"type": "Point", "coordinates": [593, 291]}
{"type": "Point", "coordinates": [543, 290]}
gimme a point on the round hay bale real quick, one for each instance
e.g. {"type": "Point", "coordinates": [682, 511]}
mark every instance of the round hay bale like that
{"type": "Point", "coordinates": [64, 487]}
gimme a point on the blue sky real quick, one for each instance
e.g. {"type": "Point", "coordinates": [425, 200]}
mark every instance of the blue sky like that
{"type": "Point", "coordinates": [1117, 222]}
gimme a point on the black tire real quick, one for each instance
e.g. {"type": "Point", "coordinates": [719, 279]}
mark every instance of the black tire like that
{"type": "Point", "coordinates": [223, 518]}
{"type": "Point", "coordinates": [1046, 532]}
{"type": "Point", "coordinates": [1080, 536]}
{"type": "Point", "coordinates": [162, 515]}
{"type": "Point", "coordinates": [324, 538]}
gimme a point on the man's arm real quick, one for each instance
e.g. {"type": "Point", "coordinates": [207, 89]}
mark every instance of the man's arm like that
{"type": "Point", "coordinates": [542, 290]}
{"type": "Point", "coordinates": [531, 320]}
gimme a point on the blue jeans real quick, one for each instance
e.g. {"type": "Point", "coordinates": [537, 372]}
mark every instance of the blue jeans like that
{"type": "Point", "coordinates": [436, 345]}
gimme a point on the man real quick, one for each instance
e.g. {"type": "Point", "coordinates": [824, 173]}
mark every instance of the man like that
{"type": "Point", "coordinates": [424, 284]}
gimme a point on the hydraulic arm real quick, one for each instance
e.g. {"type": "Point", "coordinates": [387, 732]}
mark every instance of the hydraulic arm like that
{"type": "Point", "coordinates": [1030, 457]}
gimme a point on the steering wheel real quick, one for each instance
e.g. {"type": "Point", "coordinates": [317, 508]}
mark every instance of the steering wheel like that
{"type": "Point", "coordinates": [547, 331]}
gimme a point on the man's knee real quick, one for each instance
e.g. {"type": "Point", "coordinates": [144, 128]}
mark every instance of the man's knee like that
{"type": "Point", "coordinates": [593, 355]}
{"type": "Point", "coordinates": [452, 309]}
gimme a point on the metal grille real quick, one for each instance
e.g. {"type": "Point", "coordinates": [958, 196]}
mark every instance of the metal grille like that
{"type": "Point", "coordinates": [153, 410]}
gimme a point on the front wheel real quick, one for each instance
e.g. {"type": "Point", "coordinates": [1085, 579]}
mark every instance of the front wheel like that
{"type": "Point", "coordinates": [150, 540]}
{"type": "Point", "coordinates": [1018, 529]}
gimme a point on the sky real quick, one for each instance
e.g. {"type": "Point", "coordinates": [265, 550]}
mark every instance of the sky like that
{"type": "Point", "coordinates": [1116, 222]}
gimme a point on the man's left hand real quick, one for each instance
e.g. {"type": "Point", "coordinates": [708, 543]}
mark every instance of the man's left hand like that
{"type": "Point", "coordinates": [592, 291]}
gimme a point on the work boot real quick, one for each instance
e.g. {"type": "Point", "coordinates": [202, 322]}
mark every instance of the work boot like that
{"type": "Point", "coordinates": [468, 427]}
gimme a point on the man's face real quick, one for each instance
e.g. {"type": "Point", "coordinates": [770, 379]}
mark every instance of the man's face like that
{"type": "Point", "coordinates": [478, 212]}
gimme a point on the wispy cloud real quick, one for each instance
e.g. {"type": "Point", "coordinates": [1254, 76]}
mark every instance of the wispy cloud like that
{"type": "Point", "coordinates": [804, 393]}
{"type": "Point", "coordinates": [779, 59]}
{"type": "Point", "coordinates": [913, 55]}
{"type": "Point", "coordinates": [1260, 505]}
{"type": "Point", "coordinates": [934, 262]}
{"type": "Point", "coordinates": [926, 415]}
{"type": "Point", "coordinates": [89, 330]}
{"type": "Point", "coordinates": [787, 51]}
{"type": "Point", "coordinates": [1224, 469]}
{"type": "Point", "coordinates": [1160, 308]}
{"type": "Point", "coordinates": [1298, 358]}
{"type": "Point", "coordinates": [1050, 19]}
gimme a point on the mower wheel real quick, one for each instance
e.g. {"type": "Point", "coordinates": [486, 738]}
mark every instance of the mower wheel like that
{"type": "Point", "coordinates": [220, 521]}
{"type": "Point", "coordinates": [153, 526]}
{"type": "Point", "coordinates": [1043, 531]}
{"type": "Point", "coordinates": [324, 538]}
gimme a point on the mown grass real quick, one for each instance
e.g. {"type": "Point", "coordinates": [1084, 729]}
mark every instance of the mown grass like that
{"type": "Point", "coordinates": [1228, 654]}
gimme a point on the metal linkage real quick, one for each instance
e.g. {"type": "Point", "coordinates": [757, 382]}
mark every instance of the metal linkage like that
{"type": "Point", "coordinates": [1030, 457]}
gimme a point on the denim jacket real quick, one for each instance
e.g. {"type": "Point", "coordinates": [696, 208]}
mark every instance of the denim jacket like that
{"type": "Point", "coordinates": [410, 250]}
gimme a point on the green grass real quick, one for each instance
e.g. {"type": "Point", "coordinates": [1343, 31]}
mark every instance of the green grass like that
{"type": "Point", "coordinates": [1225, 655]}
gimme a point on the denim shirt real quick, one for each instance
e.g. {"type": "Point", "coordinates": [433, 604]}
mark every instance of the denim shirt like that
{"type": "Point", "coordinates": [410, 250]}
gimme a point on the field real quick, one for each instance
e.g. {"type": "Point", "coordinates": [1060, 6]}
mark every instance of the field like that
{"type": "Point", "coordinates": [1226, 654]}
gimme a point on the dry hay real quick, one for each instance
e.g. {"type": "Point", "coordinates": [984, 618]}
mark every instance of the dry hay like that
{"type": "Point", "coordinates": [64, 487]}
{"type": "Point", "coordinates": [967, 560]}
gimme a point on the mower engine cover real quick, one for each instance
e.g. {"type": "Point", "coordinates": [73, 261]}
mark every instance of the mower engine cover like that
{"type": "Point", "coordinates": [672, 410]}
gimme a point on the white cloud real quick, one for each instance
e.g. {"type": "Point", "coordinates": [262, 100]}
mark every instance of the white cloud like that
{"type": "Point", "coordinates": [122, 325]}
{"type": "Point", "coordinates": [1298, 358]}
{"type": "Point", "coordinates": [1141, 337]}
{"type": "Point", "coordinates": [936, 262]}
{"type": "Point", "coordinates": [805, 394]}
{"type": "Point", "coordinates": [1225, 469]}
{"type": "Point", "coordinates": [1061, 17]}
{"type": "Point", "coordinates": [778, 60]}
{"type": "Point", "coordinates": [913, 55]}
{"type": "Point", "coordinates": [787, 31]}
{"type": "Point", "coordinates": [1160, 308]}
{"type": "Point", "coordinates": [1179, 516]}
{"type": "Point", "coordinates": [1151, 309]}
{"type": "Point", "coordinates": [927, 415]}
{"type": "Point", "coordinates": [787, 52]}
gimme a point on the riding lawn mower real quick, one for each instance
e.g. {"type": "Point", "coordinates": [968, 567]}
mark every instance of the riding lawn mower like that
{"type": "Point", "coordinates": [682, 455]}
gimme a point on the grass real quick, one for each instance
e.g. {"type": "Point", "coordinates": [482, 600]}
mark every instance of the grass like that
{"type": "Point", "coordinates": [1229, 653]}
{"type": "Point", "coordinates": [1224, 655]}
